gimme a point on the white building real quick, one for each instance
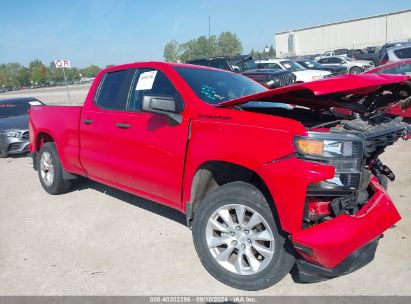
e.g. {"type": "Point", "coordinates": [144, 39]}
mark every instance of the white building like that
{"type": "Point", "coordinates": [350, 34]}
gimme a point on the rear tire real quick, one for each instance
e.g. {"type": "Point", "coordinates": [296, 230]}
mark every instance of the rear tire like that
{"type": "Point", "coordinates": [245, 255]}
{"type": "Point", "coordinates": [50, 171]}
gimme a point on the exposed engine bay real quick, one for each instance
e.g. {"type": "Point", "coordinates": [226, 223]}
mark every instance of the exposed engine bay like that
{"type": "Point", "coordinates": [361, 117]}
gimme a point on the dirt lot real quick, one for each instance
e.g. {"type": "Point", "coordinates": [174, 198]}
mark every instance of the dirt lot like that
{"type": "Point", "coordinates": [97, 240]}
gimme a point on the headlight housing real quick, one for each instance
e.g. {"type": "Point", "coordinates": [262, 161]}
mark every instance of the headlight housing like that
{"type": "Point", "coordinates": [343, 151]}
{"type": "Point", "coordinates": [317, 77]}
{"type": "Point", "coordinates": [9, 133]}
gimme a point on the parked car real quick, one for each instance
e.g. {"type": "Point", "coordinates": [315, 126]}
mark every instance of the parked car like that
{"type": "Point", "coordinates": [271, 78]}
{"type": "Point", "coordinates": [263, 187]}
{"type": "Point", "coordinates": [376, 56]}
{"type": "Point", "coordinates": [325, 54]}
{"type": "Point", "coordinates": [302, 74]}
{"type": "Point", "coordinates": [396, 54]}
{"type": "Point", "coordinates": [397, 68]}
{"type": "Point", "coordinates": [314, 65]}
{"type": "Point", "coordinates": [14, 125]}
{"type": "Point", "coordinates": [353, 66]}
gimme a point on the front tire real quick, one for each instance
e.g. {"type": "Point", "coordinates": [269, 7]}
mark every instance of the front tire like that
{"type": "Point", "coordinates": [50, 171]}
{"type": "Point", "coordinates": [237, 239]}
{"type": "Point", "coordinates": [355, 70]}
{"type": "Point", "coordinates": [3, 154]}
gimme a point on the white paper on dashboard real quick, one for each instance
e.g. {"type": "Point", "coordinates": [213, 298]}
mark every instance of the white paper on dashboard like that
{"type": "Point", "coordinates": [35, 103]}
{"type": "Point", "coordinates": [146, 80]}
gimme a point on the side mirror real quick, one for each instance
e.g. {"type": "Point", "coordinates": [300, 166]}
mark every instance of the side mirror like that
{"type": "Point", "coordinates": [161, 104]}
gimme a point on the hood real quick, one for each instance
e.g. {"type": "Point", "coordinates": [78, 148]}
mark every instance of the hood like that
{"type": "Point", "coordinates": [266, 71]}
{"type": "Point", "coordinates": [363, 62]}
{"type": "Point", "coordinates": [333, 68]}
{"type": "Point", "coordinates": [342, 91]}
{"type": "Point", "coordinates": [20, 122]}
{"type": "Point", "coordinates": [311, 73]}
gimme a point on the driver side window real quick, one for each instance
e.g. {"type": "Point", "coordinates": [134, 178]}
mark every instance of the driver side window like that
{"type": "Point", "coordinates": [154, 83]}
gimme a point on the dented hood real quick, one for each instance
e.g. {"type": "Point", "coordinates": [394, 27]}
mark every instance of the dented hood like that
{"type": "Point", "coordinates": [342, 91]}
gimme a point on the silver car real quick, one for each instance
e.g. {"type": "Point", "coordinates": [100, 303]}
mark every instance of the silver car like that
{"type": "Point", "coordinates": [14, 125]}
{"type": "Point", "coordinates": [353, 66]}
{"type": "Point", "coordinates": [396, 54]}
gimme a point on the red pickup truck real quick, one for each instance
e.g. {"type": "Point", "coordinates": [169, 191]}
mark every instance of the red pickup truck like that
{"type": "Point", "coordinates": [264, 185]}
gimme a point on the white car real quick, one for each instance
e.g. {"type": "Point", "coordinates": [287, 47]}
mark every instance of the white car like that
{"type": "Point", "coordinates": [353, 66]}
{"type": "Point", "coordinates": [302, 74]}
{"type": "Point", "coordinates": [398, 53]}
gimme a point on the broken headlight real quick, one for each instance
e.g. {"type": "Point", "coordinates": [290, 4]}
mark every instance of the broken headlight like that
{"type": "Point", "coordinates": [343, 151]}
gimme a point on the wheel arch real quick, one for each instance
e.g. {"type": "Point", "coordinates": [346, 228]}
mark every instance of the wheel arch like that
{"type": "Point", "coordinates": [41, 139]}
{"type": "Point", "coordinates": [213, 174]}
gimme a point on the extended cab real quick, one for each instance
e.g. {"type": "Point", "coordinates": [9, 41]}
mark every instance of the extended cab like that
{"type": "Point", "coordinates": [264, 185]}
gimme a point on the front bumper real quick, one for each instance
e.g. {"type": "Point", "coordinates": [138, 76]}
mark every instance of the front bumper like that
{"type": "Point", "coordinates": [311, 273]}
{"type": "Point", "coordinates": [14, 145]}
{"type": "Point", "coordinates": [330, 243]}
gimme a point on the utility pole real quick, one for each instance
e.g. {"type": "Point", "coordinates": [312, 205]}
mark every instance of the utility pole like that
{"type": "Point", "coordinates": [209, 40]}
{"type": "Point", "coordinates": [65, 80]}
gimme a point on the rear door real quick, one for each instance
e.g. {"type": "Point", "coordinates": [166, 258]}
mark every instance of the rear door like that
{"type": "Point", "coordinates": [101, 138]}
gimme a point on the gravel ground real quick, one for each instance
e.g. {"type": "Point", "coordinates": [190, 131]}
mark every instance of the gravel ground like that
{"type": "Point", "coordinates": [97, 240]}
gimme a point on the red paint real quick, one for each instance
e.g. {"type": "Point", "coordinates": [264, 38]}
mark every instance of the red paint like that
{"type": "Point", "coordinates": [158, 161]}
{"type": "Point", "coordinates": [336, 239]}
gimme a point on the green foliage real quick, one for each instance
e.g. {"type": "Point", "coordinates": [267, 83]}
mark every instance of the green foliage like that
{"type": "Point", "coordinates": [271, 53]}
{"type": "Point", "coordinates": [14, 75]}
{"type": "Point", "coordinates": [90, 71]}
{"type": "Point", "coordinates": [226, 44]}
{"type": "Point", "coordinates": [172, 51]}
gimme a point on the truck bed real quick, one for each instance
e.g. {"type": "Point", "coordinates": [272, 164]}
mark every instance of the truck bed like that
{"type": "Point", "coordinates": [62, 123]}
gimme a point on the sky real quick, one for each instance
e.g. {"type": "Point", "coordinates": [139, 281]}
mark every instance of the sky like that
{"type": "Point", "coordinates": [106, 32]}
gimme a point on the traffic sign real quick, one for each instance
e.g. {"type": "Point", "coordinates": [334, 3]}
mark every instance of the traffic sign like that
{"type": "Point", "coordinates": [62, 63]}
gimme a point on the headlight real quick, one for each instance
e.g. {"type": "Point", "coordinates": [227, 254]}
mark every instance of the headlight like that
{"type": "Point", "coordinates": [317, 77]}
{"type": "Point", "coordinates": [343, 151]}
{"type": "Point", "coordinates": [9, 133]}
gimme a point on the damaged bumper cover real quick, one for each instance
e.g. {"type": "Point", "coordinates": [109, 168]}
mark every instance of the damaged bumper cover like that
{"type": "Point", "coordinates": [345, 243]}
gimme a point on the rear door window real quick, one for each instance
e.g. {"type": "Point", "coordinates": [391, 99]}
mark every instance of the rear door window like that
{"type": "Point", "coordinates": [114, 89]}
{"type": "Point", "coordinates": [403, 53]}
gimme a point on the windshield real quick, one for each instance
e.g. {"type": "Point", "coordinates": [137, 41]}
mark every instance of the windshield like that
{"type": "Point", "coordinates": [311, 64]}
{"type": "Point", "coordinates": [217, 86]}
{"type": "Point", "coordinates": [17, 107]}
{"type": "Point", "coordinates": [292, 66]}
{"type": "Point", "coordinates": [346, 58]}
{"type": "Point", "coordinates": [246, 65]}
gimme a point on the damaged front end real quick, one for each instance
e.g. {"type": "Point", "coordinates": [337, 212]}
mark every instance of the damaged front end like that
{"type": "Point", "coordinates": [338, 207]}
{"type": "Point", "coordinates": [346, 215]}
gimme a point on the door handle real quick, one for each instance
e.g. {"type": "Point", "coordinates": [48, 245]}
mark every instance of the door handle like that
{"type": "Point", "coordinates": [87, 121]}
{"type": "Point", "coordinates": [122, 125]}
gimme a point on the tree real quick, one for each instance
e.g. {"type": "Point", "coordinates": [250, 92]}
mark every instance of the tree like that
{"type": "Point", "coordinates": [271, 53]}
{"type": "Point", "coordinates": [229, 44]}
{"type": "Point", "coordinates": [226, 44]}
{"type": "Point", "coordinates": [172, 51]}
{"type": "Point", "coordinates": [90, 71]}
{"type": "Point", "coordinates": [38, 72]}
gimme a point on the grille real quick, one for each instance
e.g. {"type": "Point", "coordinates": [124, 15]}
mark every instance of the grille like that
{"type": "Point", "coordinates": [25, 135]}
{"type": "Point", "coordinates": [16, 146]}
{"type": "Point", "coordinates": [285, 79]}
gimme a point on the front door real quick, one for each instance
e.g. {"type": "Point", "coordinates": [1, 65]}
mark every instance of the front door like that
{"type": "Point", "coordinates": [138, 151]}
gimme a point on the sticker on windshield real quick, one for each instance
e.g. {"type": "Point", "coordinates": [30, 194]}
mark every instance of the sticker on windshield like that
{"type": "Point", "coordinates": [146, 80]}
{"type": "Point", "coordinates": [35, 103]}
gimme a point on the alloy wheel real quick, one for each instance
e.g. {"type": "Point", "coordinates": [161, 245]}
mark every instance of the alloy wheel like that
{"type": "Point", "coordinates": [240, 239]}
{"type": "Point", "coordinates": [47, 168]}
